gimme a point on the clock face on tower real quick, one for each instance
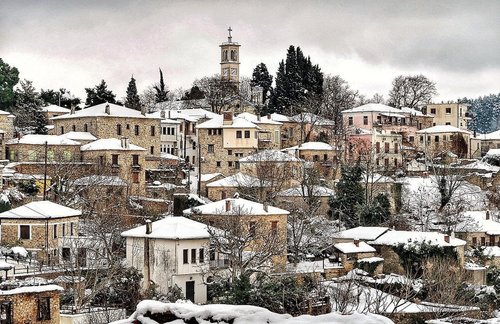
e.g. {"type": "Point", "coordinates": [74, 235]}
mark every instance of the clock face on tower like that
{"type": "Point", "coordinates": [233, 72]}
{"type": "Point", "coordinates": [225, 72]}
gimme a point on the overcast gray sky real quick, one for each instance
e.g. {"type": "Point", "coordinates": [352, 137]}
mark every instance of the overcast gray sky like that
{"type": "Point", "coordinates": [75, 44]}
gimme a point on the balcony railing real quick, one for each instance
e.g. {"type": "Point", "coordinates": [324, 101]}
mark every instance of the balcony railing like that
{"type": "Point", "coordinates": [221, 263]}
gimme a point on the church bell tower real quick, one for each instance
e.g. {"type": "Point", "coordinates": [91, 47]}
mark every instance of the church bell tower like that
{"type": "Point", "coordinates": [230, 60]}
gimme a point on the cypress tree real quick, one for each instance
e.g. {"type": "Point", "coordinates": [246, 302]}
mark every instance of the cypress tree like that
{"type": "Point", "coordinates": [132, 100]}
{"type": "Point", "coordinates": [161, 90]}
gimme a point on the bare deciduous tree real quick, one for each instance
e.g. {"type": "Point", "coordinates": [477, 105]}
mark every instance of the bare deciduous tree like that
{"type": "Point", "coordinates": [411, 91]}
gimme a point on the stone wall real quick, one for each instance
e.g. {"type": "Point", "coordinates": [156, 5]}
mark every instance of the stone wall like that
{"type": "Point", "coordinates": [25, 307]}
{"type": "Point", "coordinates": [36, 153]}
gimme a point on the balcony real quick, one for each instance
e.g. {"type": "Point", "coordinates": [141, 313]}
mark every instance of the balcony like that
{"type": "Point", "coordinates": [219, 264]}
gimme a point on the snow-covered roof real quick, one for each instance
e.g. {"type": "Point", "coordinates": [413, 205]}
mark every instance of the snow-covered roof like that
{"type": "Point", "coordinates": [255, 119]}
{"type": "Point", "coordinates": [168, 156]}
{"type": "Point", "coordinates": [172, 115]}
{"type": "Point", "coordinates": [492, 153]}
{"type": "Point", "coordinates": [209, 176]}
{"type": "Point", "coordinates": [79, 136]}
{"type": "Point", "coordinates": [351, 247]}
{"type": "Point", "coordinates": [376, 178]}
{"type": "Point", "coordinates": [412, 238]}
{"type": "Point", "coordinates": [299, 191]}
{"type": "Point", "coordinates": [224, 314]}
{"type": "Point", "coordinates": [489, 136]}
{"type": "Point", "coordinates": [100, 111]}
{"type": "Point", "coordinates": [3, 112]}
{"type": "Point", "coordinates": [414, 112]}
{"type": "Point", "coordinates": [55, 109]}
{"type": "Point", "coordinates": [280, 118]}
{"type": "Point", "coordinates": [30, 290]}
{"type": "Point", "coordinates": [237, 180]}
{"type": "Point", "coordinates": [373, 107]}
{"type": "Point", "coordinates": [442, 129]}
{"type": "Point", "coordinates": [364, 233]}
{"type": "Point", "coordinates": [313, 146]}
{"type": "Point", "coordinates": [312, 119]}
{"type": "Point", "coordinates": [237, 206]}
{"type": "Point", "coordinates": [109, 144]}
{"type": "Point", "coordinates": [40, 210]}
{"type": "Point", "coordinates": [492, 251]}
{"type": "Point", "coordinates": [172, 228]}
{"type": "Point", "coordinates": [475, 221]}
{"type": "Point", "coordinates": [270, 155]}
{"type": "Point", "coordinates": [38, 139]}
{"type": "Point", "coordinates": [100, 180]}
{"type": "Point", "coordinates": [218, 122]}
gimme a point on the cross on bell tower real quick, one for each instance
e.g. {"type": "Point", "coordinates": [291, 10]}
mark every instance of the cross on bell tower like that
{"type": "Point", "coordinates": [230, 60]}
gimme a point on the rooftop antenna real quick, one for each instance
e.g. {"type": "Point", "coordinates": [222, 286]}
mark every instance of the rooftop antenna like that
{"type": "Point", "coordinates": [229, 37]}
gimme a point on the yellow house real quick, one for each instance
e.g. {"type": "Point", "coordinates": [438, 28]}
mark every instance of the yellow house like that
{"type": "Point", "coordinates": [452, 114]}
{"type": "Point", "coordinates": [437, 139]}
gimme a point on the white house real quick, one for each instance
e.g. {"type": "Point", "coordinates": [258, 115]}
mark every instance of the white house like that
{"type": "Point", "coordinates": [171, 252]}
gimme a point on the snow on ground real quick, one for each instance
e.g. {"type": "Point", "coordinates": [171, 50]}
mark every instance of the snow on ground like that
{"type": "Point", "coordinates": [240, 314]}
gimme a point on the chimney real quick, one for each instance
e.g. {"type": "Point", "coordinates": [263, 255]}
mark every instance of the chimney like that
{"type": "Point", "coordinates": [356, 242]}
{"type": "Point", "coordinates": [107, 109]}
{"type": "Point", "coordinates": [72, 109]}
{"type": "Point", "coordinates": [447, 238]}
{"type": "Point", "coordinates": [268, 116]}
{"type": "Point", "coordinates": [162, 114]}
{"type": "Point", "coordinates": [125, 142]}
{"type": "Point", "coordinates": [227, 118]}
{"type": "Point", "coordinates": [488, 214]}
{"type": "Point", "coordinates": [143, 110]}
{"type": "Point", "coordinates": [228, 205]}
{"type": "Point", "coordinates": [149, 226]}
{"type": "Point", "coordinates": [265, 206]}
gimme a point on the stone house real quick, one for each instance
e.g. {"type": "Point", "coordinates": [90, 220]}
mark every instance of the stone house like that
{"type": "Point", "coordinates": [299, 195]}
{"type": "Point", "coordinates": [206, 179]}
{"type": "Point", "coordinates": [81, 137]}
{"type": "Point", "coordinates": [37, 226]}
{"type": "Point", "coordinates": [108, 120]}
{"type": "Point", "coordinates": [312, 127]}
{"type": "Point", "coordinates": [290, 130]}
{"type": "Point", "coordinates": [30, 304]}
{"type": "Point", "coordinates": [362, 233]}
{"type": "Point", "coordinates": [254, 220]}
{"type": "Point", "coordinates": [6, 131]}
{"type": "Point", "coordinates": [31, 148]}
{"type": "Point", "coordinates": [51, 111]}
{"type": "Point", "coordinates": [453, 114]}
{"type": "Point", "coordinates": [350, 252]}
{"type": "Point", "coordinates": [479, 228]}
{"type": "Point", "coordinates": [269, 134]}
{"type": "Point", "coordinates": [126, 160]}
{"type": "Point", "coordinates": [240, 183]}
{"type": "Point", "coordinates": [444, 138]}
{"type": "Point", "coordinates": [170, 252]}
{"type": "Point", "coordinates": [323, 156]}
{"type": "Point", "coordinates": [387, 243]}
{"type": "Point", "coordinates": [224, 140]}
{"type": "Point", "coordinates": [480, 144]}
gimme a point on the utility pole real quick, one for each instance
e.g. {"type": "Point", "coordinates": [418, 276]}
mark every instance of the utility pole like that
{"type": "Point", "coordinates": [45, 173]}
{"type": "Point", "coordinates": [199, 168]}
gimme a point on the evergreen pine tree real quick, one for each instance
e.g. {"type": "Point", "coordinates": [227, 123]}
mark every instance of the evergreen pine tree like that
{"type": "Point", "coordinates": [132, 100]}
{"type": "Point", "coordinates": [262, 78]}
{"type": "Point", "coordinates": [9, 77]}
{"type": "Point", "coordinates": [27, 109]}
{"type": "Point", "coordinates": [349, 196]}
{"type": "Point", "coordinates": [161, 90]}
{"type": "Point", "coordinates": [99, 94]}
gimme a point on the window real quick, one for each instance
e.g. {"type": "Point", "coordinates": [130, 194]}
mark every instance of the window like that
{"type": "Point", "coordinates": [377, 147]}
{"type": "Point", "coordinates": [395, 162]}
{"type": "Point", "coordinates": [386, 163]}
{"type": "Point", "coordinates": [66, 254]}
{"type": "Point", "coordinates": [411, 139]}
{"type": "Point", "coordinates": [229, 152]}
{"type": "Point", "coordinates": [193, 255]}
{"type": "Point", "coordinates": [247, 134]}
{"type": "Point", "coordinates": [43, 308]}
{"type": "Point", "coordinates": [433, 111]}
{"type": "Point", "coordinates": [421, 138]}
{"type": "Point", "coordinates": [252, 229]}
{"type": "Point", "coordinates": [201, 256]}
{"type": "Point", "coordinates": [24, 232]}
{"type": "Point", "coordinates": [71, 229]}
{"type": "Point", "coordinates": [152, 150]}
{"type": "Point", "coordinates": [210, 148]}
{"type": "Point", "coordinates": [136, 130]}
{"type": "Point", "coordinates": [218, 164]}
{"type": "Point", "coordinates": [172, 131]}
{"type": "Point", "coordinates": [483, 241]}
{"type": "Point", "coordinates": [365, 120]}
{"type": "Point", "coordinates": [101, 160]}
{"type": "Point", "coordinates": [436, 138]}
{"type": "Point", "coordinates": [153, 131]}
{"type": "Point", "coordinates": [238, 134]}
{"type": "Point", "coordinates": [6, 312]}
{"type": "Point", "coordinates": [447, 123]}
{"type": "Point", "coordinates": [73, 128]}
{"type": "Point", "coordinates": [325, 157]}
{"type": "Point", "coordinates": [474, 241]}
{"type": "Point", "coordinates": [236, 164]}
{"type": "Point", "coordinates": [315, 158]}
{"type": "Point", "coordinates": [230, 164]}
{"type": "Point", "coordinates": [194, 145]}
{"type": "Point", "coordinates": [164, 130]}
{"type": "Point", "coordinates": [386, 148]}
{"type": "Point", "coordinates": [118, 129]}
{"type": "Point", "coordinates": [350, 121]}
{"type": "Point", "coordinates": [85, 128]}
{"type": "Point", "coordinates": [448, 111]}
{"type": "Point", "coordinates": [114, 159]}
{"type": "Point", "coordinates": [185, 256]}
{"type": "Point", "coordinates": [62, 129]}
{"type": "Point", "coordinates": [63, 229]}
{"type": "Point", "coordinates": [396, 148]}
{"type": "Point", "coordinates": [135, 159]}
{"type": "Point", "coordinates": [135, 177]}
{"type": "Point", "coordinates": [274, 228]}
{"type": "Point", "coordinates": [54, 230]}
